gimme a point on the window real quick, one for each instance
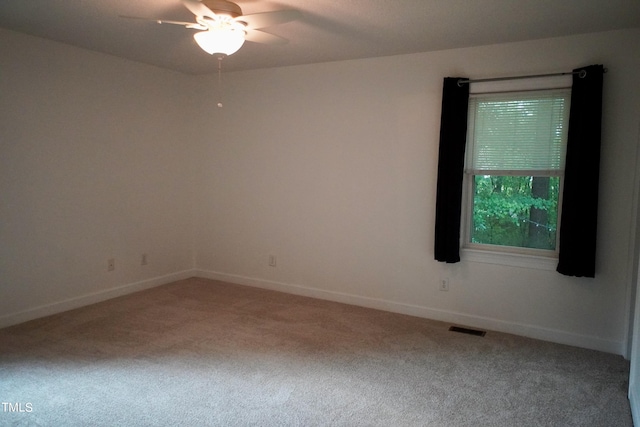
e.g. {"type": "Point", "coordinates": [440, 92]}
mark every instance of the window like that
{"type": "Point", "coordinates": [577, 181]}
{"type": "Point", "coordinates": [516, 146]}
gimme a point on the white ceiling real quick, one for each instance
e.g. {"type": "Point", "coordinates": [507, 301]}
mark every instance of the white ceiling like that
{"type": "Point", "coordinates": [329, 30]}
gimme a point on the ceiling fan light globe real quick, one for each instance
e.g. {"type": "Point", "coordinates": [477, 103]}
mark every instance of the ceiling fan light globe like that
{"type": "Point", "coordinates": [226, 41]}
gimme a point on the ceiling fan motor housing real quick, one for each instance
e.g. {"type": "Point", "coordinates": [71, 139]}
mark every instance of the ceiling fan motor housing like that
{"type": "Point", "coordinates": [223, 7]}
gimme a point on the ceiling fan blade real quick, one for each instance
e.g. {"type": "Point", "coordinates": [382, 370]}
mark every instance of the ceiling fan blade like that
{"type": "Point", "coordinates": [258, 36]}
{"type": "Point", "coordinates": [266, 19]}
{"type": "Point", "coordinates": [198, 8]}
{"type": "Point", "coordinates": [192, 25]}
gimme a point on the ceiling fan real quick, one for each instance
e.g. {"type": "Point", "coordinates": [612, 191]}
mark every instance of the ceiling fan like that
{"type": "Point", "coordinates": [223, 27]}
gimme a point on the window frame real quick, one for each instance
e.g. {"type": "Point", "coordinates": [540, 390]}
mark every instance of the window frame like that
{"type": "Point", "coordinates": [498, 254]}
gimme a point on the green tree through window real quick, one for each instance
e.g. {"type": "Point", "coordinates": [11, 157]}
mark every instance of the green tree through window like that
{"type": "Point", "coordinates": [519, 211]}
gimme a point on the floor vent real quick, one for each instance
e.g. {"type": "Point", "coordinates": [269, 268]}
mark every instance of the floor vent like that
{"type": "Point", "coordinates": [468, 331]}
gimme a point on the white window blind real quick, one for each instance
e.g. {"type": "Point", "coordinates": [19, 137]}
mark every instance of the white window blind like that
{"type": "Point", "coordinates": [518, 133]}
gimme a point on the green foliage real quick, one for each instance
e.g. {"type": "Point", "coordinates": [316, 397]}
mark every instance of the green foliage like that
{"type": "Point", "coordinates": [511, 211]}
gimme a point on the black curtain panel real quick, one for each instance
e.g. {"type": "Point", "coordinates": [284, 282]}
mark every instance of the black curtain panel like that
{"type": "Point", "coordinates": [453, 138]}
{"type": "Point", "coordinates": [578, 224]}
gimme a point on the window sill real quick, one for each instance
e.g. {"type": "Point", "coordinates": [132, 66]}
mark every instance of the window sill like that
{"type": "Point", "coordinates": [510, 259]}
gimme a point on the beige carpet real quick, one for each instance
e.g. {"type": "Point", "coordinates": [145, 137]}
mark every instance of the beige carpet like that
{"type": "Point", "coordinates": [205, 353]}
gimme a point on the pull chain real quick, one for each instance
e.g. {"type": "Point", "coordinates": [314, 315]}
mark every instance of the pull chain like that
{"type": "Point", "coordinates": [220, 79]}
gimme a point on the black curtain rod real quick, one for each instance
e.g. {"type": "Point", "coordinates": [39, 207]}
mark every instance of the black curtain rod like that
{"type": "Point", "coordinates": [582, 74]}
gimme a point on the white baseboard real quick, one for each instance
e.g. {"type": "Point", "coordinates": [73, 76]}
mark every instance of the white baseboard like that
{"type": "Point", "coordinates": [462, 319]}
{"type": "Point", "coordinates": [634, 400]}
{"type": "Point", "coordinates": [92, 298]}
{"type": "Point", "coordinates": [531, 331]}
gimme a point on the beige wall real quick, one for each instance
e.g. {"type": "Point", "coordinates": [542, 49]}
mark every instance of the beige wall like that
{"type": "Point", "coordinates": [94, 164]}
{"type": "Point", "coordinates": [330, 167]}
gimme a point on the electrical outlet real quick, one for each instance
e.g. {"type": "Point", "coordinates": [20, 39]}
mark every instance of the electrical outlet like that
{"type": "Point", "coordinates": [144, 260]}
{"type": "Point", "coordinates": [111, 264]}
{"type": "Point", "coordinates": [444, 284]}
{"type": "Point", "coordinates": [272, 261]}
